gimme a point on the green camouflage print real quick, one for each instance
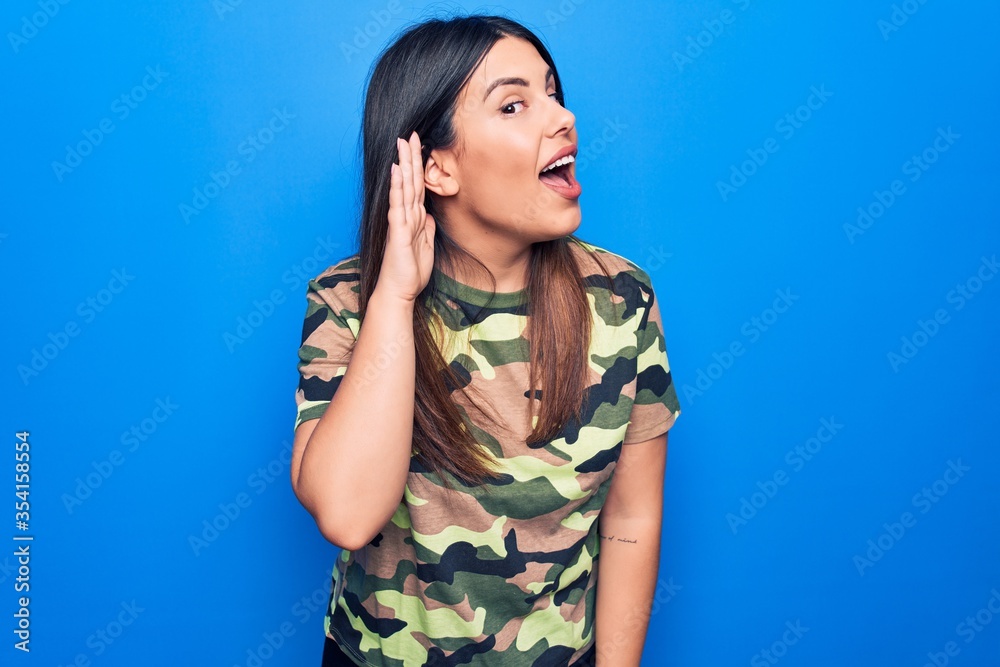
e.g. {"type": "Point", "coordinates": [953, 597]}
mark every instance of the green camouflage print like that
{"type": "Point", "coordinates": [505, 575]}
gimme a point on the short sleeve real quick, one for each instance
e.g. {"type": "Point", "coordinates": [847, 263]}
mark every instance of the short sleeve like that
{"type": "Point", "coordinates": [329, 333]}
{"type": "Point", "coordinates": [656, 407]}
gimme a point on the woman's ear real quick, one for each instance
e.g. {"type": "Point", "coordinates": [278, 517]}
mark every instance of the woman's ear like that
{"type": "Point", "coordinates": [437, 177]}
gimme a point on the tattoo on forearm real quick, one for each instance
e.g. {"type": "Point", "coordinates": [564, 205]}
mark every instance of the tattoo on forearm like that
{"type": "Point", "coordinates": [612, 538]}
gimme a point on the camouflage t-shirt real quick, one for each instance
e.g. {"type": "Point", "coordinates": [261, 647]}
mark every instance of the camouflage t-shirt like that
{"type": "Point", "coordinates": [505, 578]}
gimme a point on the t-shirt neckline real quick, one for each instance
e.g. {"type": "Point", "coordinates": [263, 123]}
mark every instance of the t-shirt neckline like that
{"type": "Point", "coordinates": [478, 297]}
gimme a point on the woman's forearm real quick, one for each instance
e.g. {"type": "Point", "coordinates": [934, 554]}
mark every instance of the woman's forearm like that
{"type": "Point", "coordinates": [626, 581]}
{"type": "Point", "coordinates": [355, 464]}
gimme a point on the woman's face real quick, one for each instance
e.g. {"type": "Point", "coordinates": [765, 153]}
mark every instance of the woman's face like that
{"type": "Point", "coordinates": [510, 127]}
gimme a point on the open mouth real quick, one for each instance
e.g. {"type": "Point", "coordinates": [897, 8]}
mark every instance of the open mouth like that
{"type": "Point", "coordinates": [559, 176]}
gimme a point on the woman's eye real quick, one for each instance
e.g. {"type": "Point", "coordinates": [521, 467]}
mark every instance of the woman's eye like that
{"type": "Point", "coordinates": [508, 109]}
{"type": "Point", "coordinates": [504, 108]}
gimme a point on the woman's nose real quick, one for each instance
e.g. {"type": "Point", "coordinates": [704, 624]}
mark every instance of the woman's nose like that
{"type": "Point", "coordinates": [563, 119]}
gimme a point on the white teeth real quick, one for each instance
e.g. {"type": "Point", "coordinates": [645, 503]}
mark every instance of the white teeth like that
{"type": "Point", "coordinates": [560, 162]}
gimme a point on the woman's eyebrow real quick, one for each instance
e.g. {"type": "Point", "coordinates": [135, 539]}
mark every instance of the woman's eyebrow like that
{"type": "Point", "coordinates": [513, 81]}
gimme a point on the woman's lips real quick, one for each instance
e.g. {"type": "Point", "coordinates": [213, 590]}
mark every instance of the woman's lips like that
{"type": "Point", "coordinates": [562, 182]}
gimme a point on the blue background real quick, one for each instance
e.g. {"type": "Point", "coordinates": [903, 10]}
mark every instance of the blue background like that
{"type": "Point", "coordinates": [671, 100]}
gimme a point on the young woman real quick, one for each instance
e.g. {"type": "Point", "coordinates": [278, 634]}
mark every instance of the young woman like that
{"type": "Point", "coordinates": [484, 398]}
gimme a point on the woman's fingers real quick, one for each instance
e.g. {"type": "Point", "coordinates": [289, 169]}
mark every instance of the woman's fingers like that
{"type": "Point", "coordinates": [406, 186]}
{"type": "Point", "coordinates": [428, 230]}
{"type": "Point", "coordinates": [406, 163]}
{"type": "Point", "coordinates": [418, 169]}
{"type": "Point", "coordinates": [395, 194]}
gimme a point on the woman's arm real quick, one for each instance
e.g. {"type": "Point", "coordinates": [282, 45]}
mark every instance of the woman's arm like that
{"type": "Point", "coordinates": [629, 526]}
{"type": "Point", "coordinates": [349, 467]}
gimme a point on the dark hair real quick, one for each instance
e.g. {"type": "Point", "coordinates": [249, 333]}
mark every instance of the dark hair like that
{"type": "Point", "coordinates": [415, 86]}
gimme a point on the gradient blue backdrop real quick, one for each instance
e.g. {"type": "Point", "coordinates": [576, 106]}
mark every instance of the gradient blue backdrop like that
{"type": "Point", "coordinates": [815, 481]}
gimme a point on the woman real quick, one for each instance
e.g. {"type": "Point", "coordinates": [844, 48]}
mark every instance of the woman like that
{"type": "Point", "coordinates": [459, 444]}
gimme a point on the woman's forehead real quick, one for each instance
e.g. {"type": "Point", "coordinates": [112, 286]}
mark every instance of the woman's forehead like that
{"type": "Point", "coordinates": [511, 58]}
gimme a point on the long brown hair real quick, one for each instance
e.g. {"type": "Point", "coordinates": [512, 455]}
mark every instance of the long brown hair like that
{"type": "Point", "coordinates": [414, 86]}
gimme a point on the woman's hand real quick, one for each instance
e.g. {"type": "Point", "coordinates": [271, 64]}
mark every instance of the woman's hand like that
{"type": "Point", "coordinates": [409, 248]}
